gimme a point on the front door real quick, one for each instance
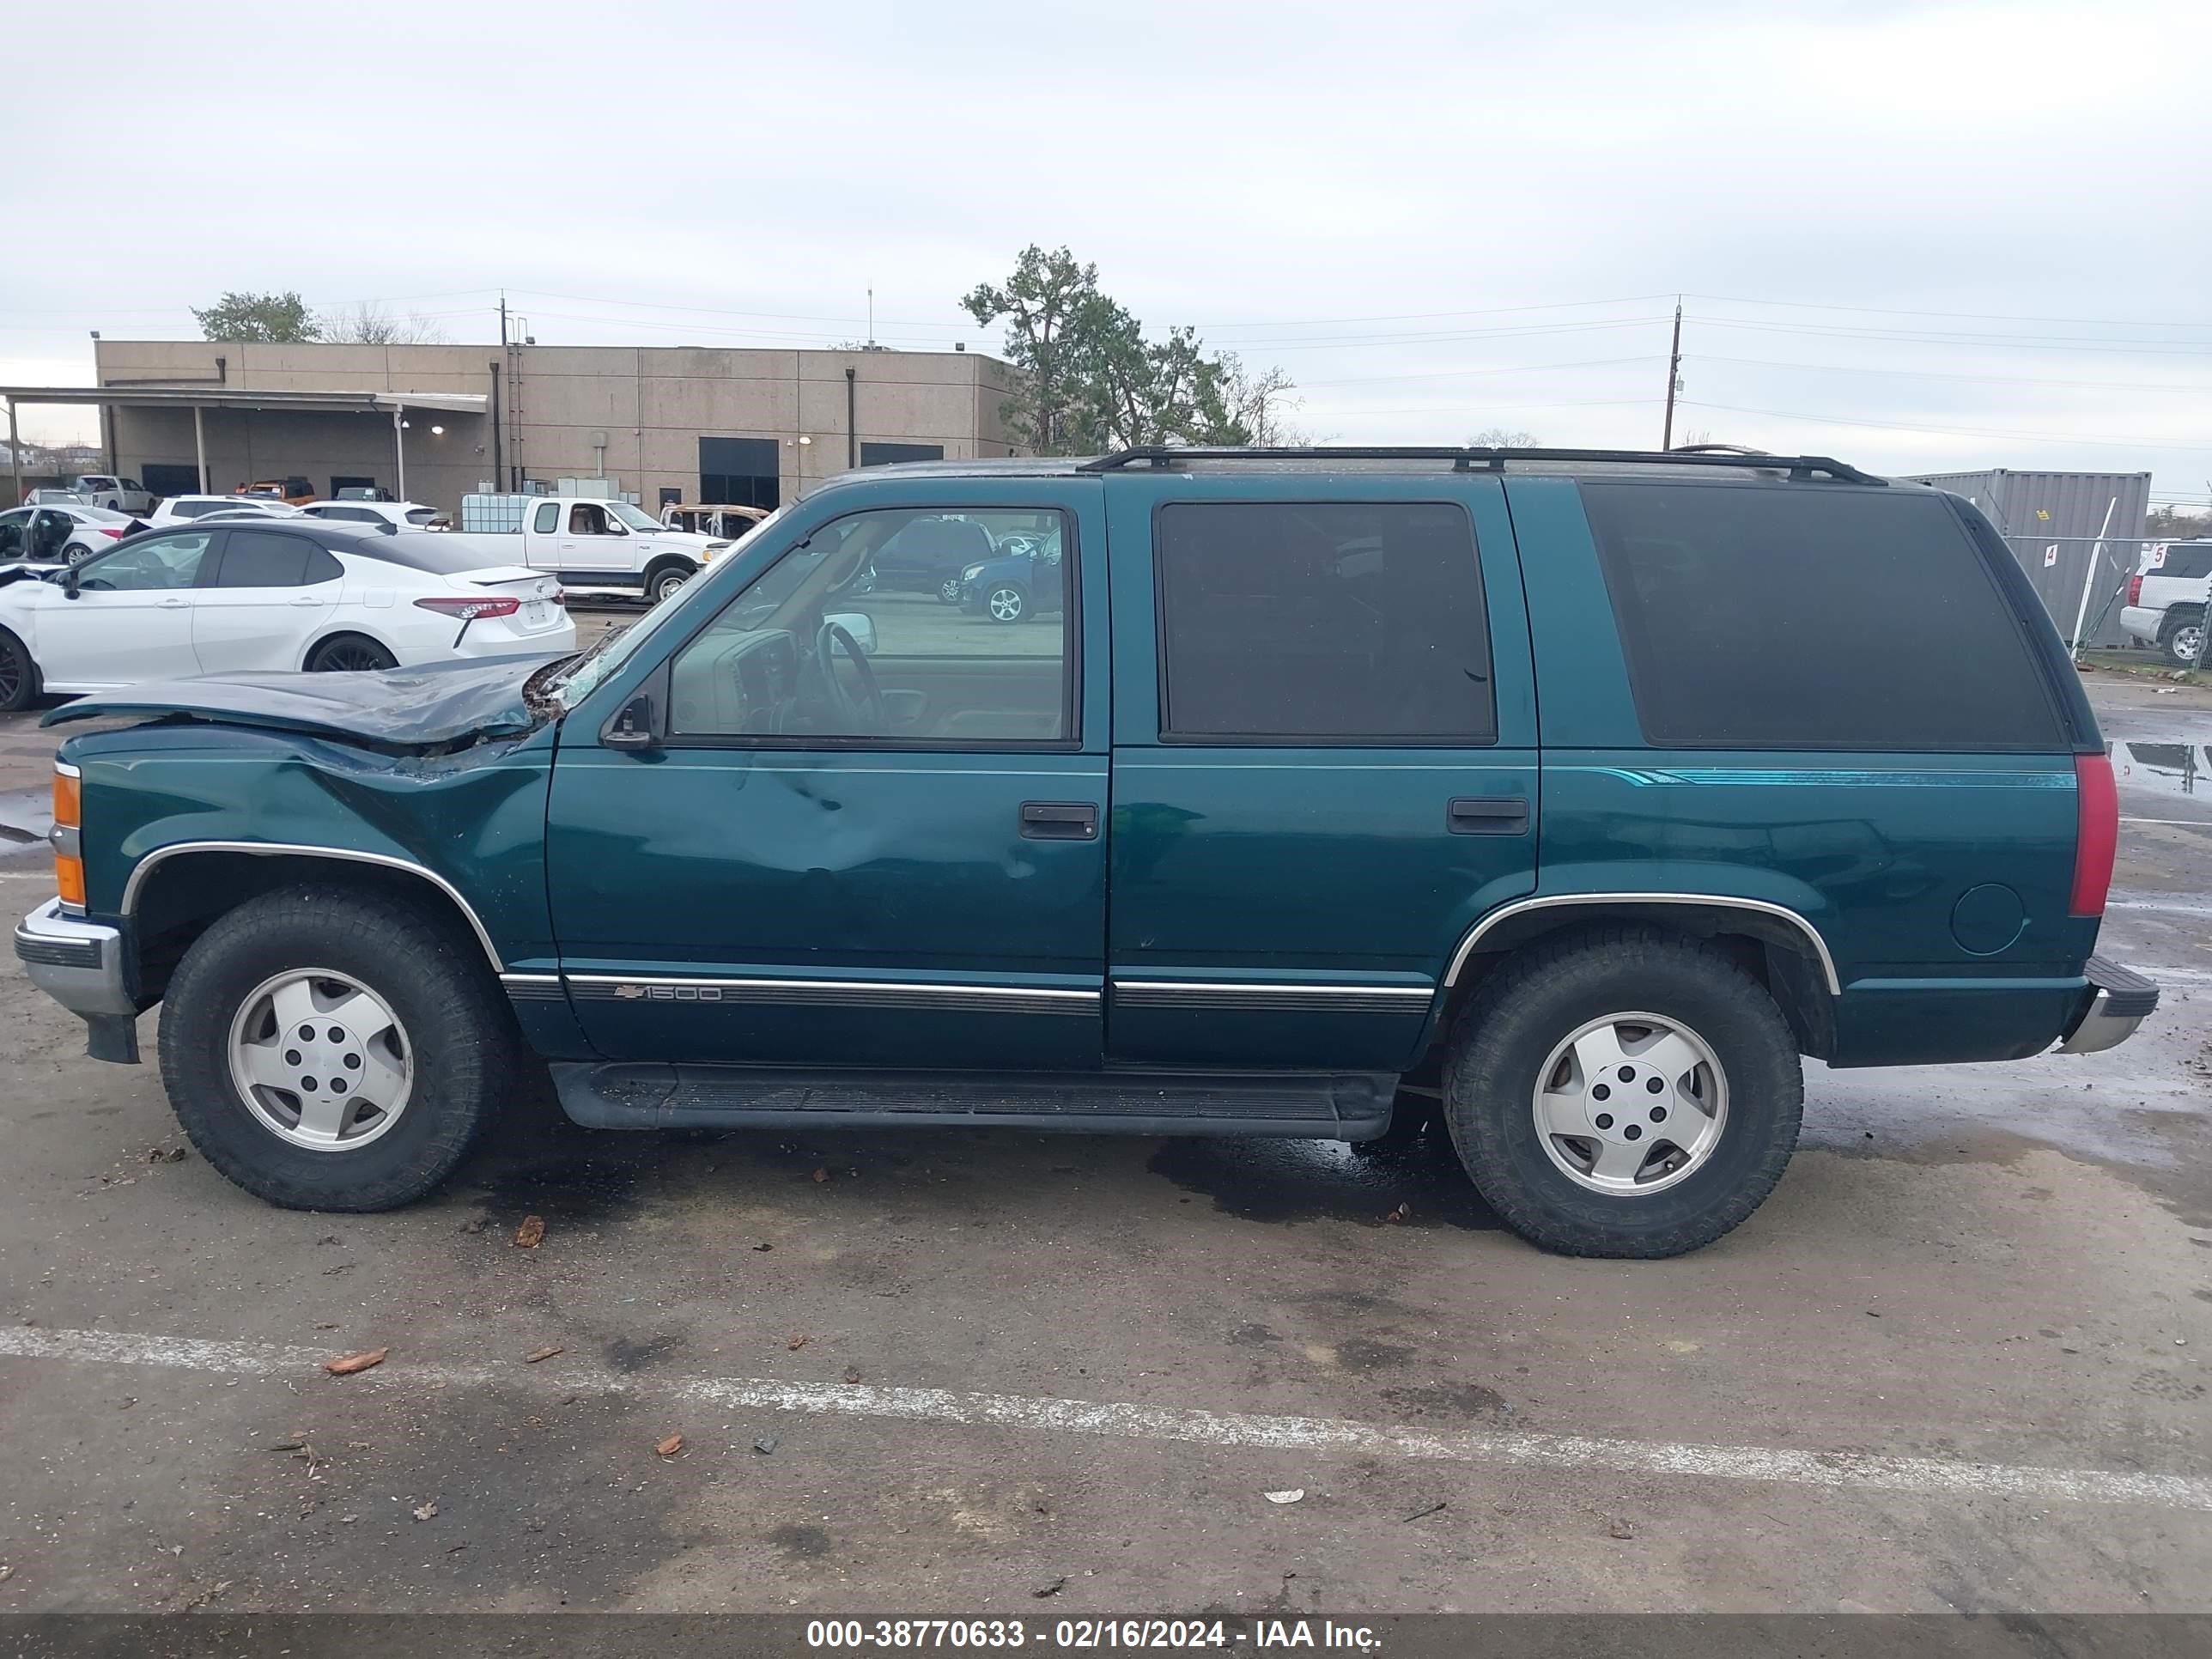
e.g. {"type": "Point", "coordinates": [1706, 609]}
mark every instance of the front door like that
{"type": "Point", "coordinates": [1324, 763]}
{"type": "Point", "coordinates": [870, 830]}
{"type": "Point", "coordinates": [131, 619]}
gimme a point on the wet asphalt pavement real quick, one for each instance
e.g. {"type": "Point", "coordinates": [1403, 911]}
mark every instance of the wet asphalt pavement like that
{"type": "Point", "coordinates": [1955, 1363]}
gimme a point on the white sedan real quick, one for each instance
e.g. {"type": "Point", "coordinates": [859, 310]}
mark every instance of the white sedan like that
{"type": "Point", "coordinates": [412, 513]}
{"type": "Point", "coordinates": [182, 509]}
{"type": "Point", "coordinates": [58, 532]}
{"type": "Point", "coordinates": [237, 596]}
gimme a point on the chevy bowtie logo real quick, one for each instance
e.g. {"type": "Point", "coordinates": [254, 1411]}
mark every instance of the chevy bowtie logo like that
{"type": "Point", "coordinates": [629, 993]}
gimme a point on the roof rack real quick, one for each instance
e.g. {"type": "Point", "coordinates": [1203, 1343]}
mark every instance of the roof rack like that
{"type": "Point", "coordinates": [1492, 460]}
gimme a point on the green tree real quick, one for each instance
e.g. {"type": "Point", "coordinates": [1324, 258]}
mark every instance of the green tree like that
{"type": "Point", "coordinates": [1500, 437]}
{"type": "Point", "coordinates": [1092, 380]}
{"type": "Point", "coordinates": [259, 317]}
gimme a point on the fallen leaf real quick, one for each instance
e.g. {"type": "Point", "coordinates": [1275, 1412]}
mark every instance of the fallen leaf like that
{"type": "Point", "coordinates": [798, 1342]}
{"type": "Point", "coordinates": [1422, 1515]}
{"type": "Point", "coordinates": [531, 1359]}
{"type": "Point", "coordinates": [288, 1445]}
{"type": "Point", "coordinates": [165, 1155]}
{"type": "Point", "coordinates": [671, 1446]}
{"type": "Point", "coordinates": [1053, 1589]}
{"type": "Point", "coordinates": [1290, 1495]}
{"type": "Point", "coordinates": [821, 1174]}
{"type": "Point", "coordinates": [355, 1362]}
{"type": "Point", "coordinates": [852, 1373]}
{"type": "Point", "coordinates": [1400, 1213]}
{"type": "Point", "coordinates": [765, 1445]}
{"type": "Point", "coordinates": [426, 1512]}
{"type": "Point", "coordinates": [530, 1234]}
{"type": "Point", "coordinates": [1621, 1530]}
{"type": "Point", "coordinates": [764, 1246]}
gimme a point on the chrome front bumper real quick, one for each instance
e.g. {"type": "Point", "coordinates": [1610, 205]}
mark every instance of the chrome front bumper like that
{"type": "Point", "coordinates": [78, 963]}
{"type": "Point", "coordinates": [2124, 998]}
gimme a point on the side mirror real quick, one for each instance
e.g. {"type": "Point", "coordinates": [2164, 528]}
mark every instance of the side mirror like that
{"type": "Point", "coordinates": [69, 582]}
{"type": "Point", "coordinates": [860, 625]}
{"type": "Point", "coordinates": [616, 528]}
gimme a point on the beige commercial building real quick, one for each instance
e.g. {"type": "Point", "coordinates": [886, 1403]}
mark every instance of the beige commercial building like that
{"type": "Point", "coordinates": [663, 422]}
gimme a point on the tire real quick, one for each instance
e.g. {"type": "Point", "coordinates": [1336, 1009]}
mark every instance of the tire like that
{"type": "Point", "coordinates": [350, 653]}
{"type": "Point", "coordinates": [457, 1046]}
{"type": "Point", "coordinates": [76, 553]}
{"type": "Point", "coordinates": [19, 675]}
{"type": "Point", "coordinates": [1006, 603]}
{"type": "Point", "coordinates": [949, 590]}
{"type": "Point", "coordinates": [2182, 638]}
{"type": "Point", "coordinates": [665, 580]}
{"type": "Point", "coordinates": [1503, 1052]}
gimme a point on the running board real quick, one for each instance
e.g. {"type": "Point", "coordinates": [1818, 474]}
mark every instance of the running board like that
{"type": "Point", "coordinates": [1329, 1106]}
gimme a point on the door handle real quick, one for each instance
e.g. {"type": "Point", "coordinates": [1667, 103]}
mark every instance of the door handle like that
{"type": "Point", "coordinates": [1487, 815]}
{"type": "Point", "coordinates": [1059, 820]}
{"type": "Point", "coordinates": [305, 603]}
{"type": "Point", "coordinates": [174, 605]}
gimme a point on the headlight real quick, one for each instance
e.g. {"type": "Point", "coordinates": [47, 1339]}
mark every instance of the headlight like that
{"type": "Point", "coordinates": [712, 548]}
{"type": "Point", "coordinates": [972, 573]}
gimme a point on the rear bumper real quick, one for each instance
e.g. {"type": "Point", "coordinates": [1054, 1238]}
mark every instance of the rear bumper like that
{"type": "Point", "coordinates": [77, 962]}
{"type": "Point", "coordinates": [2140, 621]}
{"type": "Point", "coordinates": [2120, 1000]}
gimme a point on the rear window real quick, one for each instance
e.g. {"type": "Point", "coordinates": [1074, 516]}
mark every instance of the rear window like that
{"type": "Point", "coordinates": [441, 554]}
{"type": "Point", "coordinates": [270, 558]}
{"type": "Point", "coordinates": [1287, 621]}
{"type": "Point", "coordinates": [1801, 618]}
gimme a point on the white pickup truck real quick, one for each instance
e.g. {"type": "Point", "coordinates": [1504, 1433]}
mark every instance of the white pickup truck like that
{"type": "Point", "coordinates": [591, 542]}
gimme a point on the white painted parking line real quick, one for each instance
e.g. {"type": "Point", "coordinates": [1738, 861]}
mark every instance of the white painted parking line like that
{"type": "Point", "coordinates": [2201, 823]}
{"type": "Point", "coordinates": [2167, 907]}
{"type": "Point", "coordinates": [1926, 1476]}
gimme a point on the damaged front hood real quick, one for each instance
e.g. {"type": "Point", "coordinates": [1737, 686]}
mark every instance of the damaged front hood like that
{"type": "Point", "coordinates": [437, 706]}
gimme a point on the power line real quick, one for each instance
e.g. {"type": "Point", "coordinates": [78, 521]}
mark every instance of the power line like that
{"type": "Point", "coordinates": [1974, 316]}
{"type": "Point", "coordinates": [1989, 379]}
{"type": "Point", "coordinates": [1456, 373]}
{"type": "Point", "coordinates": [1962, 431]}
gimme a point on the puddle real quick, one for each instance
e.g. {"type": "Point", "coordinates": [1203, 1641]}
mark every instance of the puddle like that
{"type": "Point", "coordinates": [1328, 1181]}
{"type": "Point", "coordinates": [2163, 768]}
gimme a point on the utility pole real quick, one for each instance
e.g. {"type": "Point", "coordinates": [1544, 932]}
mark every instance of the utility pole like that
{"type": "Point", "coordinates": [1673, 377]}
{"type": "Point", "coordinates": [507, 372]}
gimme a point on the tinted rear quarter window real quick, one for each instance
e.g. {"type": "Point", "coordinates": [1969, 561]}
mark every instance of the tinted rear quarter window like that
{"type": "Point", "coordinates": [1321, 622]}
{"type": "Point", "coordinates": [441, 553]}
{"type": "Point", "coordinates": [1803, 617]}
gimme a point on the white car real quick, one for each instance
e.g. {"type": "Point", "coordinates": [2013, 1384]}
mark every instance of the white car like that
{"type": "Point", "coordinates": [412, 514]}
{"type": "Point", "coordinates": [116, 495]}
{"type": "Point", "coordinates": [60, 533]}
{"type": "Point", "coordinates": [182, 509]}
{"type": "Point", "coordinates": [236, 596]}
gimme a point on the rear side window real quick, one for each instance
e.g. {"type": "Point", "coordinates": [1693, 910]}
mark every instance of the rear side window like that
{"type": "Point", "coordinates": [549, 518]}
{"type": "Point", "coordinates": [268, 558]}
{"type": "Point", "coordinates": [1322, 621]}
{"type": "Point", "coordinates": [439, 554]}
{"type": "Point", "coordinates": [1795, 617]}
{"type": "Point", "coordinates": [2189, 560]}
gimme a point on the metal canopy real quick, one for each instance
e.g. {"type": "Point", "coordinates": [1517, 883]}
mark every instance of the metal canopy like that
{"type": "Point", "coordinates": [231, 396]}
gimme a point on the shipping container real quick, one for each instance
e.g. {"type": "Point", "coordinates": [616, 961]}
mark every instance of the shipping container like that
{"type": "Point", "coordinates": [2057, 524]}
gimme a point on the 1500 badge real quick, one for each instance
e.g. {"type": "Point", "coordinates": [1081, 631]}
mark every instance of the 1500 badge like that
{"type": "Point", "coordinates": [669, 993]}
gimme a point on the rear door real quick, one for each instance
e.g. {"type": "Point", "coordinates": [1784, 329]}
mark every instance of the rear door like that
{"type": "Point", "coordinates": [265, 594]}
{"type": "Point", "coordinates": [1324, 762]}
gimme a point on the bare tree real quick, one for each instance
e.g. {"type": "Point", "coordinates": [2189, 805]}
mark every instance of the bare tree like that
{"type": "Point", "coordinates": [1498, 437]}
{"type": "Point", "coordinates": [1262, 405]}
{"type": "Point", "coordinates": [368, 324]}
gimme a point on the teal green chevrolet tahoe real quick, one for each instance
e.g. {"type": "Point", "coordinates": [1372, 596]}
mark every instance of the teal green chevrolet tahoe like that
{"type": "Point", "coordinates": [1578, 795]}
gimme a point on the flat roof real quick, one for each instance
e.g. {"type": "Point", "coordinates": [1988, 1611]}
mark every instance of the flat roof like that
{"type": "Point", "coordinates": [232, 397]}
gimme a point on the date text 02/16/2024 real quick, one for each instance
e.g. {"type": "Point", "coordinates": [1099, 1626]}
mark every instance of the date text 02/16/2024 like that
{"type": "Point", "coordinates": [1086, 1635]}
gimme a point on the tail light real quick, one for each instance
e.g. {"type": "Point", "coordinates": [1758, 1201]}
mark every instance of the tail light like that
{"type": "Point", "coordinates": [69, 824]}
{"type": "Point", "coordinates": [2135, 588]}
{"type": "Point", "coordinates": [112, 535]}
{"type": "Point", "coordinates": [470, 609]}
{"type": "Point", "coordinates": [2096, 833]}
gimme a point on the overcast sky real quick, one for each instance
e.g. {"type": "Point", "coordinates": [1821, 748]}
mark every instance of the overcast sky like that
{"type": "Point", "coordinates": [1918, 235]}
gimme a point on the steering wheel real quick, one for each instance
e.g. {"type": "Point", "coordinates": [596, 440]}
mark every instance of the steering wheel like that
{"type": "Point", "coordinates": [867, 704]}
